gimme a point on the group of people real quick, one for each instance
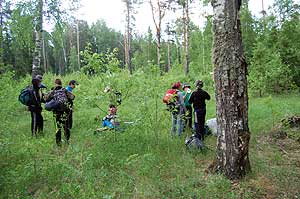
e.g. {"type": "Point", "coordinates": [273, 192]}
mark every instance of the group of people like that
{"type": "Point", "coordinates": [185, 103]}
{"type": "Point", "coordinates": [63, 116]}
{"type": "Point", "coordinates": [185, 106]}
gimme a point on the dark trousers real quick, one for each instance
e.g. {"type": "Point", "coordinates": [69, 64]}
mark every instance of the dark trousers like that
{"type": "Point", "coordinates": [37, 122]}
{"type": "Point", "coordinates": [188, 118]}
{"type": "Point", "coordinates": [70, 119]}
{"type": "Point", "coordinates": [199, 123]}
{"type": "Point", "coordinates": [61, 119]}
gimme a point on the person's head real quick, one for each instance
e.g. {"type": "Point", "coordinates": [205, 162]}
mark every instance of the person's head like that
{"type": "Point", "coordinates": [73, 83]}
{"type": "Point", "coordinates": [186, 86]}
{"type": "Point", "coordinates": [58, 82]}
{"type": "Point", "coordinates": [198, 84]}
{"type": "Point", "coordinates": [36, 82]}
{"type": "Point", "coordinates": [40, 77]}
{"type": "Point", "coordinates": [112, 109]}
{"type": "Point", "coordinates": [176, 86]}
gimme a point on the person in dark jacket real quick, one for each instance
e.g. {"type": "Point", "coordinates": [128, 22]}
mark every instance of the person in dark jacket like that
{"type": "Point", "coordinates": [61, 116]}
{"type": "Point", "coordinates": [35, 108]}
{"type": "Point", "coordinates": [198, 98]}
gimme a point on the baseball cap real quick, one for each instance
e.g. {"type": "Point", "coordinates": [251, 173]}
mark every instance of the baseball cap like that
{"type": "Point", "coordinates": [74, 82]}
{"type": "Point", "coordinates": [186, 85]}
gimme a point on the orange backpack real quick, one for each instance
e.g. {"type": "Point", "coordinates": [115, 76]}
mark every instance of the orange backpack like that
{"type": "Point", "coordinates": [169, 96]}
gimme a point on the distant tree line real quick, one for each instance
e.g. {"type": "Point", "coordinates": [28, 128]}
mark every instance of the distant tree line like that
{"type": "Point", "coordinates": [271, 42]}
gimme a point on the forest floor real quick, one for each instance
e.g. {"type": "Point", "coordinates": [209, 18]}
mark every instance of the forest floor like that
{"type": "Point", "coordinates": [142, 161]}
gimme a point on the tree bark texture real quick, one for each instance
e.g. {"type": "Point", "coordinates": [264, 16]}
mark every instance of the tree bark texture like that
{"type": "Point", "coordinates": [128, 37]}
{"type": "Point", "coordinates": [230, 75]}
{"type": "Point", "coordinates": [186, 37]}
{"type": "Point", "coordinates": [78, 44]}
{"type": "Point", "coordinates": [37, 54]}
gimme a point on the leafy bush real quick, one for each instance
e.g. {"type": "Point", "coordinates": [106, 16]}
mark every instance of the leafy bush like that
{"type": "Point", "coordinates": [97, 63]}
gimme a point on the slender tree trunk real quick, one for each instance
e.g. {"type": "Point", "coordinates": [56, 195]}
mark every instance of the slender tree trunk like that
{"type": "Point", "coordinates": [203, 53]}
{"type": "Point", "coordinates": [161, 13]}
{"type": "Point", "coordinates": [186, 37]}
{"type": "Point", "coordinates": [230, 76]}
{"type": "Point", "coordinates": [169, 58]}
{"type": "Point", "coordinates": [128, 38]}
{"type": "Point", "coordinates": [158, 47]}
{"type": "Point", "coordinates": [78, 45]}
{"type": "Point", "coordinates": [178, 54]}
{"type": "Point", "coordinates": [44, 54]}
{"type": "Point", "coordinates": [36, 65]}
{"type": "Point", "coordinates": [1, 30]}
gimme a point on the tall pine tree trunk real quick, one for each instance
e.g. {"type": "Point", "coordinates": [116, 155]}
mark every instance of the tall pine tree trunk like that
{"type": "Point", "coordinates": [37, 55]}
{"type": "Point", "coordinates": [230, 76]}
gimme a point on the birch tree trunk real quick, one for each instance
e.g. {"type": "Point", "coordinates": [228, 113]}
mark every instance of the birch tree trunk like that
{"type": "Point", "coordinates": [44, 55]}
{"type": "Point", "coordinates": [78, 44]}
{"type": "Point", "coordinates": [230, 76]}
{"type": "Point", "coordinates": [186, 37]}
{"type": "Point", "coordinates": [37, 55]}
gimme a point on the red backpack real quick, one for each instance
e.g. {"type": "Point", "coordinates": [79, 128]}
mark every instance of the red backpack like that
{"type": "Point", "coordinates": [169, 96]}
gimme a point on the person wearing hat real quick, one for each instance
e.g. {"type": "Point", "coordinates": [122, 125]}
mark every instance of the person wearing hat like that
{"type": "Point", "coordinates": [40, 77]}
{"type": "Point", "coordinates": [72, 85]}
{"type": "Point", "coordinates": [198, 98]}
{"type": "Point", "coordinates": [35, 108]}
{"type": "Point", "coordinates": [189, 111]}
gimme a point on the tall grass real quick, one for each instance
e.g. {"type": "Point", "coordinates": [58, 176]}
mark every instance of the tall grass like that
{"type": "Point", "coordinates": [142, 161]}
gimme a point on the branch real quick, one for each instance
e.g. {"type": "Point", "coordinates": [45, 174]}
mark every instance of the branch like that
{"type": "Point", "coordinates": [152, 10]}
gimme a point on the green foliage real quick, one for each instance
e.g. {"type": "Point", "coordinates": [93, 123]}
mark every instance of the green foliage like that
{"type": "Point", "coordinates": [97, 63]}
{"type": "Point", "coordinates": [73, 60]}
{"type": "Point", "coordinates": [267, 72]}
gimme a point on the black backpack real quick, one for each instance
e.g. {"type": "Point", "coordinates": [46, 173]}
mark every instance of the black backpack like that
{"type": "Point", "coordinates": [59, 101]}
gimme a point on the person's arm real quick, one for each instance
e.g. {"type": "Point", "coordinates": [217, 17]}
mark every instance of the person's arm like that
{"type": "Point", "coordinates": [181, 101]}
{"type": "Point", "coordinates": [207, 96]}
{"type": "Point", "coordinates": [48, 97]}
{"type": "Point", "coordinates": [191, 98]}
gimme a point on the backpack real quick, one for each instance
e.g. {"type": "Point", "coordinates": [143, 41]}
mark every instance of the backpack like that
{"type": "Point", "coordinates": [26, 96]}
{"type": "Point", "coordinates": [170, 96]}
{"type": "Point", "coordinates": [59, 101]}
{"type": "Point", "coordinates": [193, 142]}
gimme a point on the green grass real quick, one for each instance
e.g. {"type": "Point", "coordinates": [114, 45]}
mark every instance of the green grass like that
{"type": "Point", "coordinates": [141, 162]}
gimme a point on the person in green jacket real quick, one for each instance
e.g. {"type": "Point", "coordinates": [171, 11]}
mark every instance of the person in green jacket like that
{"type": "Point", "coordinates": [189, 111]}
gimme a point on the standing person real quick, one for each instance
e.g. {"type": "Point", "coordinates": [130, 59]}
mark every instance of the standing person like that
{"type": "Point", "coordinates": [177, 111]}
{"type": "Point", "coordinates": [35, 108]}
{"type": "Point", "coordinates": [40, 77]}
{"type": "Point", "coordinates": [188, 122]}
{"type": "Point", "coordinates": [198, 98]}
{"type": "Point", "coordinates": [61, 100]}
{"type": "Point", "coordinates": [72, 85]}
